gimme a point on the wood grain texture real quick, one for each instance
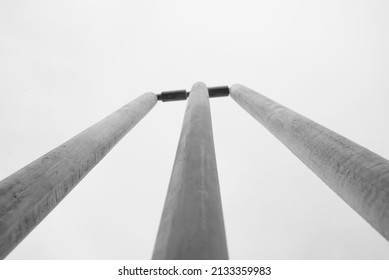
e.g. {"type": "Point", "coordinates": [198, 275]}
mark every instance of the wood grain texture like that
{"type": "Point", "coordinates": [29, 194]}
{"type": "Point", "coordinates": [192, 225]}
{"type": "Point", "coordinates": [359, 176]}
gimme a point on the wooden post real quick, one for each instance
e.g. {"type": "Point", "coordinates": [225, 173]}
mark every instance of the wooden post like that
{"type": "Point", "coordinates": [359, 176]}
{"type": "Point", "coordinates": [29, 194]}
{"type": "Point", "coordinates": [192, 225]}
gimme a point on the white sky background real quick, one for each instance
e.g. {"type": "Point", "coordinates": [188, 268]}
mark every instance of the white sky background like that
{"type": "Point", "coordinates": [65, 65]}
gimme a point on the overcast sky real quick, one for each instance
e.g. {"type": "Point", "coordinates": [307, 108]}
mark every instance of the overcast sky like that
{"type": "Point", "coordinates": [65, 65]}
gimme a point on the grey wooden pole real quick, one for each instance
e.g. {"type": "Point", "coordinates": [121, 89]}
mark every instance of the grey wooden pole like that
{"type": "Point", "coordinates": [359, 176]}
{"type": "Point", "coordinates": [29, 194]}
{"type": "Point", "coordinates": [192, 224]}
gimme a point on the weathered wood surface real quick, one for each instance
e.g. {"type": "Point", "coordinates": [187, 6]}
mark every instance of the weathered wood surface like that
{"type": "Point", "coordinates": [192, 225]}
{"type": "Point", "coordinates": [29, 194]}
{"type": "Point", "coordinates": [359, 176]}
